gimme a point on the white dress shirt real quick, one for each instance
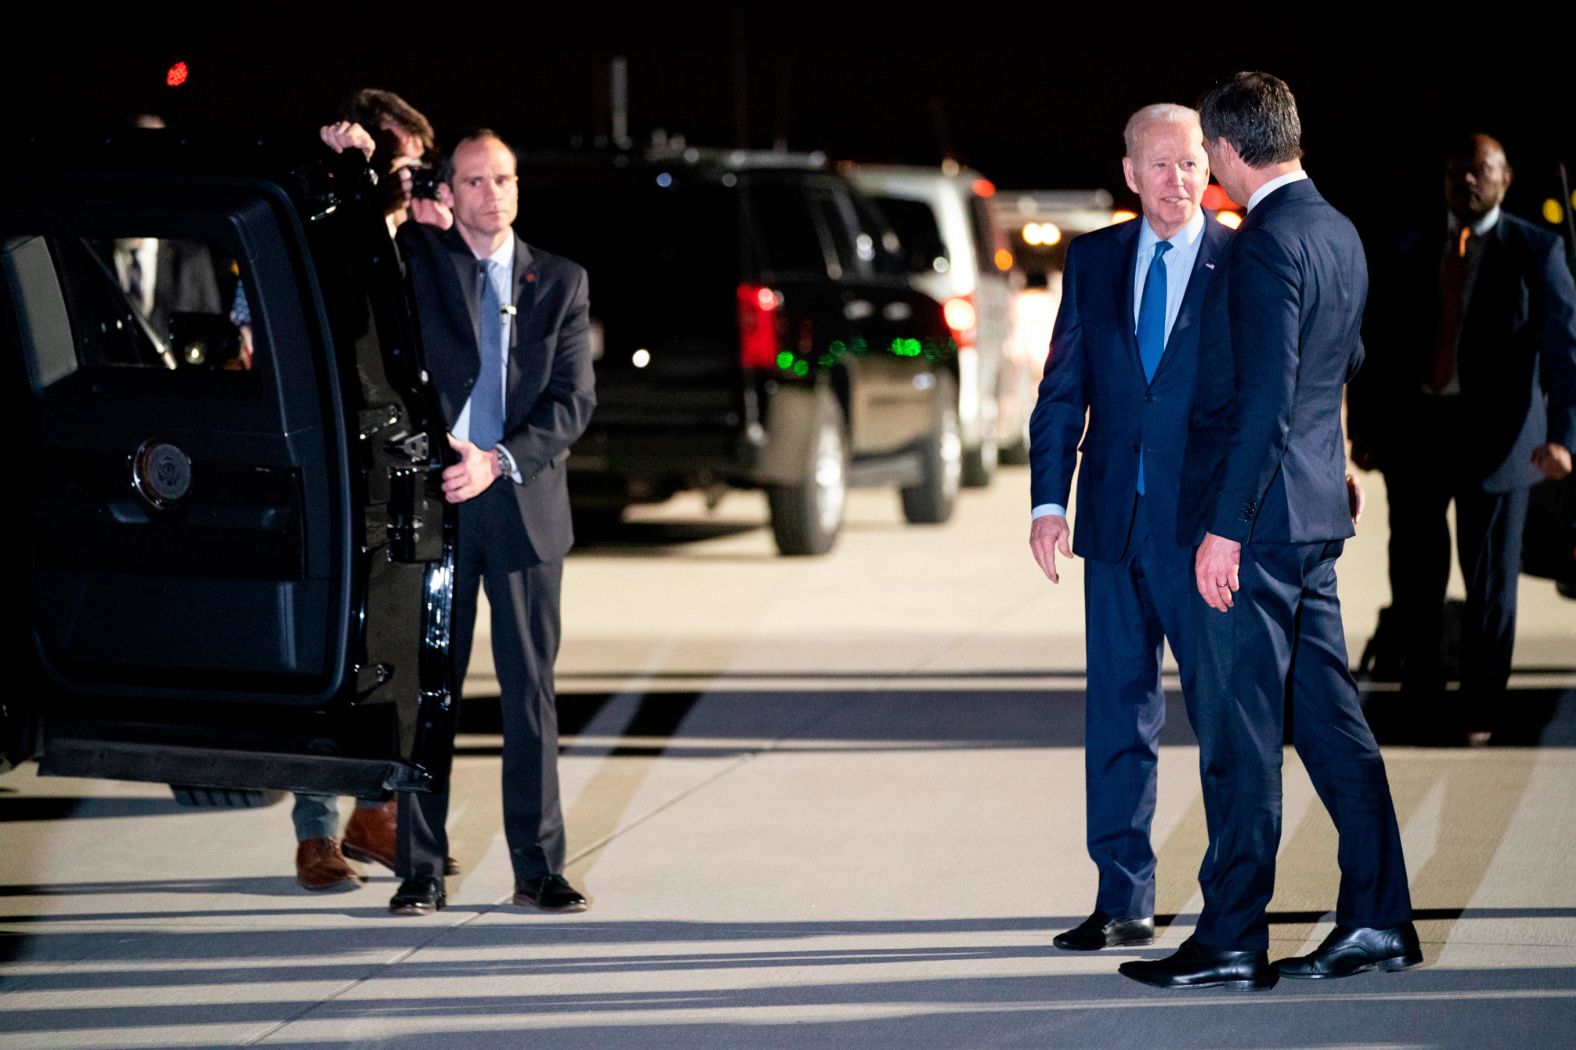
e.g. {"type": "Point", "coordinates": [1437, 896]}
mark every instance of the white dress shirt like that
{"type": "Point", "coordinates": [503, 280]}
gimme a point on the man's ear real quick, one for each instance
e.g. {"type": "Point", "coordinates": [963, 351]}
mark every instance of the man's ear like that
{"type": "Point", "coordinates": [1127, 173]}
{"type": "Point", "coordinates": [445, 196]}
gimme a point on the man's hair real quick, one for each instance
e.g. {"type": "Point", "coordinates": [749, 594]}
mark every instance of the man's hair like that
{"type": "Point", "coordinates": [1256, 113]}
{"type": "Point", "coordinates": [1159, 113]}
{"type": "Point", "coordinates": [446, 168]}
{"type": "Point", "coordinates": [372, 108]}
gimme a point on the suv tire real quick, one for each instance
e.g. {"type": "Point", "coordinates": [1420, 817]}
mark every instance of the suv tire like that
{"type": "Point", "coordinates": [806, 517]}
{"type": "Point", "coordinates": [941, 455]}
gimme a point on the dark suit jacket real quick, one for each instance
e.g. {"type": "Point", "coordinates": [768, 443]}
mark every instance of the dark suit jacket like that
{"type": "Point", "coordinates": [1094, 367]}
{"type": "Point", "coordinates": [550, 390]}
{"type": "Point", "coordinates": [1517, 346]}
{"type": "Point", "coordinates": [185, 283]}
{"type": "Point", "coordinates": [1266, 459]}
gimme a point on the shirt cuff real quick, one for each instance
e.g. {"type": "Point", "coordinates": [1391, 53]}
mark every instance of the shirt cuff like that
{"type": "Point", "coordinates": [506, 465]}
{"type": "Point", "coordinates": [1048, 510]}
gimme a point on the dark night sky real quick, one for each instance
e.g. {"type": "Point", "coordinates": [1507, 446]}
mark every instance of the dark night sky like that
{"type": "Point", "coordinates": [1034, 100]}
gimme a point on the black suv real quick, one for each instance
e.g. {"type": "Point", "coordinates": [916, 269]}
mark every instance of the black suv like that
{"type": "Point", "coordinates": [234, 549]}
{"type": "Point", "coordinates": [755, 330]}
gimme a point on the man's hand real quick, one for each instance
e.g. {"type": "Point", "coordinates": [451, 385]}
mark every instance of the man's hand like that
{"type": "Point", "coordinates": [431, 213]}
{"type": "Point", "coordinates": [1215, 570]}
{"type": "Point", "coordinates": [1047, 535]}
{"type": "Point", "coordinates": [1553, 459]}
{"type": "Point", "coordinates": [344, 135]}
{"type": "Point", "coordinates": [472, 475]}
{"type": "Point", "coordinates": [1355, 500]}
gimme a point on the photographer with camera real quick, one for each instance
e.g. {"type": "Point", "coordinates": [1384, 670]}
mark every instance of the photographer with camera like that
{"type": "Point", "coordinates": [398, 132]}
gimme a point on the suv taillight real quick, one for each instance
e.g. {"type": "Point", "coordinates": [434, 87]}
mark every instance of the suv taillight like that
{"type": "Point", "coordinates": [759, 340]}
{"type": "Point", "coordinates": [961, 318]}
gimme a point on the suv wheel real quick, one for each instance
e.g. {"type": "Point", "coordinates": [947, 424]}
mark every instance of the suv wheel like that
{"type": "Point", "coordinates": [931, 501]}
{"type": "Point", "coordinates": [979, 463]}
{"type": "Point", "coordinates": [806, 517]}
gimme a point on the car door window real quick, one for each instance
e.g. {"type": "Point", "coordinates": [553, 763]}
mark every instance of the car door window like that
{"type": "Point", "coordinates": [846, 258]}
{"type": "Point", "coordinates": [117, 299]}
{"type": "Point", "coordinates": [786, 243]}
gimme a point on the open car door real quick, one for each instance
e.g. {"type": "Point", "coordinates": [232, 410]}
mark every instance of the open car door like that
{"type": "Point", "coordinates": [234, 551]}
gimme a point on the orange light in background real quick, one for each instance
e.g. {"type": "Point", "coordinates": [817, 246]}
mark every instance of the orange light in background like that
{"type": "Point", "coordinates": [1122, 215]}
{"type": "Point", "coordinates": [1003, 260]}
{"type": "Point", "coordinates": [984, 188]}
{"type": "Point", "coordinates": [1229, 219]}
{"type": "Point", "coordinates": [1552, 212]}
{"type": "Point", "coordinates": [177, 75]}
{"type": "Point", "coordinates": [1215, 198]}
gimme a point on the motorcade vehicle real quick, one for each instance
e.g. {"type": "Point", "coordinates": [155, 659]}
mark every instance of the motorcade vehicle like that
{"type": "Point", "coordinates": [753, 329]}
{"type": "Point", "coordinates": [235, 557]}
{"type": "Point", "coordinates": [956, 253]}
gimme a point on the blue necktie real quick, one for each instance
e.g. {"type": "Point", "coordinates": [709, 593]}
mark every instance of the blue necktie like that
{"type": "Point", "coordinates": [1152, 325]}
{"type": "Point", "coordinates": [487, 395]}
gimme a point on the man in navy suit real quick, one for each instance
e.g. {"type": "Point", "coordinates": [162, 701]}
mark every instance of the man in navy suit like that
{"type": "Point", "coordinates": [505, 331]}
{"type": "Point", "coordinates": [1125, 352]}
{"type": "Point", "coordinates": [1469, 396]}
{"type": "Point", "coordinates": [1266, 496]}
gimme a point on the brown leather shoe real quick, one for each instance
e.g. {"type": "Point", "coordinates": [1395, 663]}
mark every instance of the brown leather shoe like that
{"type": "Point", "coordinates": [321, 866]}
{"type": "Point", "coordinates": [370, 835]}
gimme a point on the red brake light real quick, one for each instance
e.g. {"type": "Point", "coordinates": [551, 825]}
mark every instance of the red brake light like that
{"type": "Point", "coordinates": [961, 318]}
{"type": "Point", "coordinates": [984, 188]}
{"type": "Point", "coordinates": [758, 321]}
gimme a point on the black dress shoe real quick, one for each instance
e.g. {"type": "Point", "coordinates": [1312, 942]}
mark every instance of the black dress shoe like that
{"type": "Point", "coordinates": [549, 893]}
{"type": "Point", "coordinates": [1195, 966]}
{"type": "Point", "coordinates": [1101, 931]}
{"type": "Point", "coordinates": [419, 896]}
{"type": "Point", "coordinates": [1348, 950]}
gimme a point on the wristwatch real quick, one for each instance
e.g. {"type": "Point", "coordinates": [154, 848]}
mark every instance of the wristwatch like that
{"type": "Point", "coordinates": [505, 462]}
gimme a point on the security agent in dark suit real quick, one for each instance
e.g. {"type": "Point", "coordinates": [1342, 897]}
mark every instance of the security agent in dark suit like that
{"type": "Point", "coordinates": [506, 333]}
{"type": "Point", "coordinates": [1469, 395]}
{"type": "Point", "coordinates": [1264, 491]}
{"type": "Point", "coordinates": [1124, 355]}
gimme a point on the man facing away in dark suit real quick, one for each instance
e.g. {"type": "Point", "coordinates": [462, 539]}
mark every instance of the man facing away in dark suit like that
{"type": "Point", "coordinates": [1469, 395]}
{"type": "Point", "coordinates": [1265, 494]}
{"type": "Point", "coordinates": [1124, 353]}
{"type": "Point", "coordinates": [505, 331]}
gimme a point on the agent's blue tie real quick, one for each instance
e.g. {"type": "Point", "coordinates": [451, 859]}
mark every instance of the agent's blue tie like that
{"type": "Point", "coordinates": [1152, 325]}
{"type": "Point", "coordinates": [487, 394]}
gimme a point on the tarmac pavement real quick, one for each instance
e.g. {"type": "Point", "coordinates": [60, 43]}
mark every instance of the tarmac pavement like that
{"type": "Point", "coordinates": [815, 802]}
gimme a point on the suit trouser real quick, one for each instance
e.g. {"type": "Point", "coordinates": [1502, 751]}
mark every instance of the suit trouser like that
{"type": "Point", "coordinates": [525, 630]}
{"type": "Point", "coordinates": [1131, 606]}
{"type": "Point", "coordinates": [1489, 528]}
{"type": "Point", "coordinates": [1283, 635]}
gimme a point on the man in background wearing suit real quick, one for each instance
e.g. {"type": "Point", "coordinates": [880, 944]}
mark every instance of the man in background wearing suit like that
{"type": "Point", "coordinates": [1471, 329]}
{"type": "Point", "coordinates": [1265, 494]}
{"type": "Point", "coordinates": [1125, 353]}
{"type": "Point", "coordinates": [505, 331]}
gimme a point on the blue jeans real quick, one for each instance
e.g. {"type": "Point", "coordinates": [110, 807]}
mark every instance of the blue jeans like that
{"type": "Point", "coordinates": [317, 816]}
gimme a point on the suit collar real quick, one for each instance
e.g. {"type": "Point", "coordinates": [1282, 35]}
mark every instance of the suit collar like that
{"type": "Point", "coordinates": [1127, 242]}
{"type": "Point", "coordinates": [1301, 190]}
